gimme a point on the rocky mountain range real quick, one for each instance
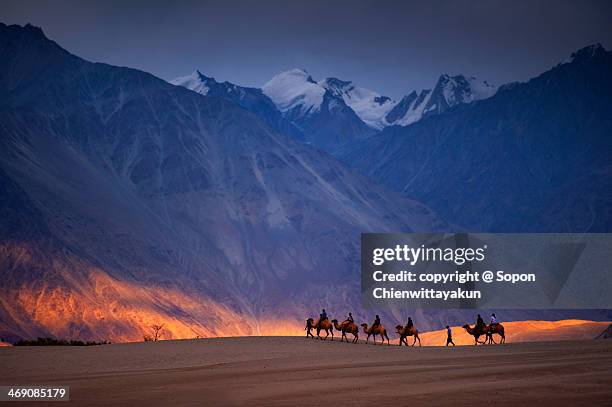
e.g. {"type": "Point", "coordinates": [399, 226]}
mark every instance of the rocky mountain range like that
{"type": "Point", "coordinates": [533, 158]}
{"type": "Point", "coordinates": [333, 113]}
{"type": "Point", "coordinates": [127, 201]}
{"type": "Point", "coordinates": [252, 99]}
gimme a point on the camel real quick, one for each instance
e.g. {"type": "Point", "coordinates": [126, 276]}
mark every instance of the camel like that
{"type": "Point", "coordinates": [379, 330]}
{"type": "Point", "coordinates": [404, 333]}
{"type": "Point", "coordinates": [488, 331]}
{"type": "Point", "coordinates": [308, 328]}
{"type": "Point", "coordinates": [320, 326]}
{"type": "Point", "coordinates": [347, 326]}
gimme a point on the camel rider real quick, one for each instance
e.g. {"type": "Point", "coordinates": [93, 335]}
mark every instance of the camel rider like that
{"type": "Point", "coordinates": [479, 321]}
{"type": "Point", "coordinates": [493, 319]}
{"type": "Point", "coordinates": [376, 322]}
{"type": "Point", "coordinates": [409, 325]}
{"type": "Point", "coordinates": [348, 319]}
{"type": "Point", "coordinates": [323, 315]}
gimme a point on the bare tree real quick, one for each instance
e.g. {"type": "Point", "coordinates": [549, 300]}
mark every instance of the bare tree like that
{"type": "Point", "coordinates": [157, 331]}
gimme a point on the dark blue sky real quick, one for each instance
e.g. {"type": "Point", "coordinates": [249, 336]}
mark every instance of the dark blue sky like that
{"type": "Point", "coordinates": [389, 46]}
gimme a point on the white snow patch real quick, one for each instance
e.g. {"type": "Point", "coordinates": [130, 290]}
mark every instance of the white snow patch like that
{"type": "Point", "coordinates": [371, 107]}
{"type": "Point", "coordinates": [294, 88]}
{"type": "Point", "coordinates": [195, 81]}
{"type": "Point", "coordinates": [455, 90]}
{"type": "Point", "coordinates": [416, 110]}
{"type": "Point", "coordinates": [480, 89]}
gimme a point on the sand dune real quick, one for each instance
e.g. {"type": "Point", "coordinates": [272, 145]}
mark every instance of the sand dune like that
{"type": "Point", "coordinates": [525, 331]}
{"type": "Point", "coordinates": [281, 371]}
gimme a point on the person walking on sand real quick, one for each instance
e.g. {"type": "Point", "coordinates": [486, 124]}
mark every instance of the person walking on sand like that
{"type": "Point", "coordinates": [449, 338]}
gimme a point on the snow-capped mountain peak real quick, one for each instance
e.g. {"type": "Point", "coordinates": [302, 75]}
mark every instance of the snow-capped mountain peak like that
{"type": "Point", "coordinates": [370, 106]}
{"type": "Point", "coordinates": [195, 81]}
{"type": "Point", "coordinates": [294, 88]}
{"type": "Point", "coordinates": [460, 89]}
{"type": "Point", "coordinates": [448, 92]}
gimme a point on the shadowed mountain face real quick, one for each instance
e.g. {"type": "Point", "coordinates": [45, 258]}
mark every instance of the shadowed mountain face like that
{"type": "Point", "coordinates": [449, 91]}
{"type": "Point", "coordinates": [332, 114]}
{"type": "Point", "coordinates": [533, 158]}
{"type": "Point", "coordinates": [320, 113]}
{"type": "Point", "coordinates": [252, 99]}
{"type": "Point", "coordinates": [127, 201]}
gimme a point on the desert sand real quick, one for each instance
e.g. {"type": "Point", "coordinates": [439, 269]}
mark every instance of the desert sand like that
{"type": "Point", "coordinates": [279, 371]}
{"type": "Point", "coordinates": [524, 331]}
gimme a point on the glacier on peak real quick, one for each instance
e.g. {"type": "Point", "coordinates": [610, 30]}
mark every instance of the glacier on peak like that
{"type": "Point", "coordinates": [195, 81]}
{"type": "Point", "coordinates": [449, 91]}
{"type": "Point", "coordinates": [370, 106]}
{"type": "Point", "coordinates": [294, 88]}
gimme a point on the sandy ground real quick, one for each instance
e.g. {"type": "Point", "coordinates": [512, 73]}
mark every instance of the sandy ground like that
{"type": "Point", "coordinates": [523, 331]}
{"type": "Point", "coordinates": [295, 371]}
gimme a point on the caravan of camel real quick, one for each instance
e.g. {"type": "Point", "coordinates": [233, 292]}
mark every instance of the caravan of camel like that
{"type": "Point", "coordinates": [348, 326]}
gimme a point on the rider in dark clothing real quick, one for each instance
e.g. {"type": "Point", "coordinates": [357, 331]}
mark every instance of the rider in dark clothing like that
{"type": "Point", "coordinates": [479, 321]}
{"type": "Point", "coordinates": [376, 321]}
{"type": "Point", "coordinates": [323, 315]}
{"type": "Point", "coordinates": [409, 324]}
